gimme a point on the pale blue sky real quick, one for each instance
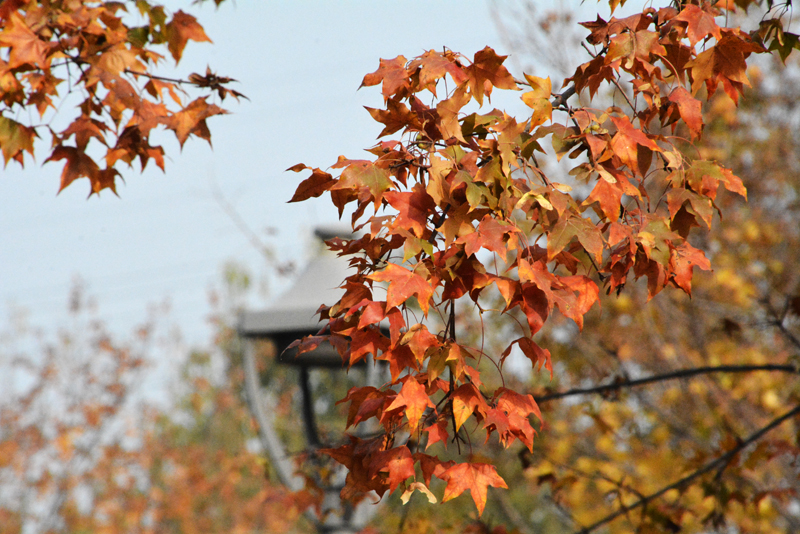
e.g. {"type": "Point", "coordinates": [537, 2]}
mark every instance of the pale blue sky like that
{"type": "Point", "coordinates": [300, 64]}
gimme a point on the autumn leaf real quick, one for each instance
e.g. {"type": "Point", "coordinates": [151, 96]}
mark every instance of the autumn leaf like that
{"type": "Point", "coordinates": [690, 110]}
{"type": "Point", "coordinates": [414, 209]}
{"type": "Point", "coordinates": [724, 63]}
{"type": "Point", "coordinates": [26, 47]}
{"type": "Point", "coordinates": [396, 117]}
{"type": "Point", "coordinates": [433, 66]}
{"type": "Point", "coordinates": [570, 227]}
{"type": "Point", "coordinates": [490, 235]}
{"type": "Point", "coordinates": [397, 464]}
{"type": "Point", "coordinates": [78, 165]}
{"type": "Point", "coordinates": [414, 399]}
{"type": "Point", "coordinates": [699, 24]}
{"type": "Point", "coordinates": [697, 205]}
{"type": "Point", "coordinates": [392, 72]}
{"type": "Point", "coordinates": [487, 71]}
{"type": "Point", "coordinates": [466, 400]}
{"type": "Point", "coordinates": [403, 284]}
{"type": "Point", "coordinates": [475, 477]}
{"type": "Point", "coordinates": [537, 355]}
{"type": "Point", "coordinates": [180, 30]}
{"type": "Point", "coordinates": [704, 177]}
{"type": "Point", "coordinates": [192, 120]}
{"type": "Point", "coordinates": [683, 260]}
{"type": "Point", "coordinates": [449, 110]}
{"type": "Point", "coordinates": [626, 141]}
{"type": "Point", "coordinates": [437, 433]}
{"type": "Point", "coordinates": [15, 139]}
{"type": "Point", "coordinates": [313, 186]}
{"type": "Point", "coordinates": [360, 174]}
{"type": "Point", "coordinates": [364, 341]}
{"type": "Point", "coordinates": [538, 99]}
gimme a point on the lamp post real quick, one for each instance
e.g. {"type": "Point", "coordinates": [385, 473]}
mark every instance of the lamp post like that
{"type": "Point", "coordinates": [291, 317]}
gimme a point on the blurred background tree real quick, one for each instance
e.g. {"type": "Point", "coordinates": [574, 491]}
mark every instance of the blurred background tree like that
{"type": "Point", "coordinates": [84, 447]}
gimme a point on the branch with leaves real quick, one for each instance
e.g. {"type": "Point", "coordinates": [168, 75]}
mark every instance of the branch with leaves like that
{"type": "Point", "coordinates": [456, 210]}
{"type": "Point", "coordinates": [96, 48]}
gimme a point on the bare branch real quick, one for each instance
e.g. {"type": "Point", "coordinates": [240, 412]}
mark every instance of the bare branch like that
{"type": "Point", "coordinates": [682, 373]}
{"type": "Point", "coordinates": [561, 99]}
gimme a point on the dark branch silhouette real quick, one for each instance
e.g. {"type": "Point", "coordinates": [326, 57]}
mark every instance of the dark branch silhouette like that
{"type": "Point", "coordinates": [682, 373]}
{"type": "Point", "coordinates": [710, 466]}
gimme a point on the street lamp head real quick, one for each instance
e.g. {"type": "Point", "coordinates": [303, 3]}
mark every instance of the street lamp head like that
{"type": "Point", "coordinates": [293, 315]}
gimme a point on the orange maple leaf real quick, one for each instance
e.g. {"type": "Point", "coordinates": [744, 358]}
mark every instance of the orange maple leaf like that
{"type": "Point", "coordinates": [397, 463]}
{"type": "Point", "coordinates": [475, 477]}
{"type": "Point", "coordinates": [415, 400]}
{"type": "Point", "coordinates": [699, 24]}
{"type": "Point", "coordinates": [414, 208]}
{"type": "Point", "coordinates": [690, 110]}
{"type": "Point", "coordinates": [26, 47]}
{"type": "Point", "coordinates": [487, 70]}
{"type": "Point", "coordinates": [403, 284]}
{"type": "Point", "coordinates": [392, 72]}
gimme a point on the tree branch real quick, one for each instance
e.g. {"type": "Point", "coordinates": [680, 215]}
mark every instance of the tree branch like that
{"type": "Point", "coordinates": [682, 373]}
{"type": "Point", "coordinates": [710, 466]}
{"type": "Point", "coordinates": [561, 99]}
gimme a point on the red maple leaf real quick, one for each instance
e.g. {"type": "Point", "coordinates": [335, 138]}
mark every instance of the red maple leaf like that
{"type": "Point", "coordinates": [690, 110]}
{"type": "Point", "coordinates": [397, 464]}
{"type": "Point", "coordinates": [437, 432]}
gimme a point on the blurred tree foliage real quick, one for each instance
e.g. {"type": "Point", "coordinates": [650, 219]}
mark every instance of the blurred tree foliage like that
{"type": "Point", "coordinates": [82, 450]}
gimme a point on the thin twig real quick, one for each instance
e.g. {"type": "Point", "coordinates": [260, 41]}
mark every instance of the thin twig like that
{"type": "Point", "coordinates": [159, 78]}
{"type": "Point", "coordinates": [710, 466]}
{"type": "Point", "coordinates": [240, 223]}
{"type": "Point", "coordinates": [682, 373]}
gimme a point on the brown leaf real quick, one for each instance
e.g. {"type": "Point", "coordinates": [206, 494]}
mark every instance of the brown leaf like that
{"type": "Point", "coordinates": [313, 186]}
{"type": "Point", "coordinates": [191, 120]}
{"type": "Point", "coordinates": [180, 30]}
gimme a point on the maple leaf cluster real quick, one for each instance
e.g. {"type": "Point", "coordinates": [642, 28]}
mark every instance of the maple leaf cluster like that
{"type": "Point", "coordinates": [458, 208]}
{"type": "Point", "coordinates": [49, 50]}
